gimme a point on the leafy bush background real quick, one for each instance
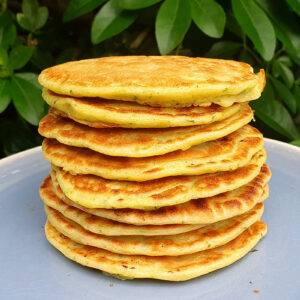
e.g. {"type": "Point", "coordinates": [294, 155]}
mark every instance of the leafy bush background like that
{"type": "Point", "coordinates": [35, 35]}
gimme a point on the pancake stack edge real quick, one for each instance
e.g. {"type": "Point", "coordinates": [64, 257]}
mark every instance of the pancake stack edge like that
{"type": "Point", "coordinates": [155, 170]}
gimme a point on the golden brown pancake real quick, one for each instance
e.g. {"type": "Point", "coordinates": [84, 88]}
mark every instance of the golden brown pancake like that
{"type": "Point", "coordinates": [197, 211]}
{"type": "Point", "coordinates": [225, 154]}
{"type": "Point", "coordinates": [207, 237]}
{"type": "Point", "coordinates": [102, 225]}
{"type": "Point", "coordinates": [96, 192]}
{"type": "Point", "coordinates": [171, 268]}
{"type": "Point", "coordinates": [167, 81]}
{"type": "Point", "coordinates": [101, 113]}
{"type": "Point", "coordinates": [139, 142]}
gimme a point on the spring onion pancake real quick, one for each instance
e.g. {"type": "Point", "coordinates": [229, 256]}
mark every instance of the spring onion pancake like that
{"type": "Point", "coordinates": [96, 192]}
{"type": "Point", "coordinates": [102, 225]}
{"type": "Point", "coordinates": [167, 81]}
{"type": "Point", "coordinates": [101, 113]}
{"type": "Point", "coordinates": [139, 142]}
{"type": "Point", "coordinates": [178, 268]}
{"type": "Point", "coordinates": [197, 211]}
{"type": "Point", "coordinates": [207, 237]}
{"type": "Point", "coordinates": [225, 154]}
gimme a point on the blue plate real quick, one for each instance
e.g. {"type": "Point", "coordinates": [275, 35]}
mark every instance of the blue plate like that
{"type": "Point", "coordinates": [30, 268]}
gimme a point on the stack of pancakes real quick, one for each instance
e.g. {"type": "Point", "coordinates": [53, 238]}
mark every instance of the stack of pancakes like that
{"type": "Point", "coordinates": [155, 170]}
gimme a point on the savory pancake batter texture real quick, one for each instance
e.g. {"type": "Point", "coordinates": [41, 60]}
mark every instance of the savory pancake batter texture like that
{"type": "Point", "coordinates": [207, 237]}
{"type": "Point", "coordinates": [96, 192]}
{"type": "Point", "coordinates": [225, 154]}
{"type": "Point", "coordinates": [178, 268]}
{"type": "Point", "coordinates": [166, 81]}
{"type": "Point", "coordinates": [155, 172]}
{"type": "Point", "coordinates": [102, 113]}
{"type": "Point", "coordinates": [139, 142]}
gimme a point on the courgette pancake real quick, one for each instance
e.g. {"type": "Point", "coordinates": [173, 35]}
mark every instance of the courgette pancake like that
{"type": "Point", "coordinates": [155, 172]}
{"type": "Point", "coordinates": [96, 192]}
{"type": "Point", "coordinates": [166, 81]}
{"type": "Point", "coordinates": [178, 268]}
{"type": "Point", "coordinates": [207, 237]}
{"type": "Point", "coordinates": [108, 113]}
{"type": "Point", "coordinates": [197, 211]}
{"type": "Point", "coordinates": [225, 154]}
{"type": "Point", "coordinates": [139, 142]}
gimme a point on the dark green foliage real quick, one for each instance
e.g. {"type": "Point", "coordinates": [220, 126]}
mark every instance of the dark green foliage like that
{"type": "Point", "coordinates": [209, 16]}
{"type": "Point", "coordinates": [37, 34]}
{"type": "Point", "coordinates": [172, 22]}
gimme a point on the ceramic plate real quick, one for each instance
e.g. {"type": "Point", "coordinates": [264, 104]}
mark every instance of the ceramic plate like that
{"type": "Point", "coordinates": [30, 268]}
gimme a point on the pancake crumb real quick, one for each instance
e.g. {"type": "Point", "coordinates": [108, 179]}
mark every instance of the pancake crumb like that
{"type": "Point", "coordinates": [111, 284]}
{"type": "Point", "coordinates": [256, 291]}
{"type": "Point", "coordinates": [250, 282]}
{"type": "Point", "coordinates": [253, 250]}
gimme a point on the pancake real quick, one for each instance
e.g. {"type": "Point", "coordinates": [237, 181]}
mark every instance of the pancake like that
{"type": "Point", "coordinates": [99, 113]}
{"type": "Point", "coordinates": [139, 142]}
{"type": "Point", "coordinates": [225, 154]}
{"type": "Point", "coordinates": [104, 226]}
{"type": "Point", "coordinates": [197, 211]}
{"type": "Point", "coordinates": [207, 237]}
{"type": "Point", "coordinates": [157, 80]}
{"type": "Point", "coordinates": [96, 192]}
{"type": "Point", "coordinates": [171, 268]}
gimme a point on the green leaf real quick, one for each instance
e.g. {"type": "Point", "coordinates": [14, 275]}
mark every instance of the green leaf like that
{"type": "Point", "coordinates": [285, 95]}
{"type": "Point", "coordinates": [136, 4]}
{"type": "Point", "coordinates": [4, 94]}
{"type": "Point", "coordinates": [295, 143]}
{"type": "Point", "coordinates": [256, 25]}
{"type": "Point", "coordinates": [33, 16]}
{"type": "Point", "coordinates": [77, 8]}
{"type": "Point", "coordinates": [8, 31]}
{"type": "Point", "coordinates": [172, 22]}
{"type": "Point", "coordinates": [27, 99]}
{"type": "Point", "coordinates": [209, 16]}
{"type": "Point", "coordinates": [110, 20]}
{"type": "Point", "coordinates": [30, 12]}
{"type": "Point", "coordinates": [285, 72]}
{"type": "Point", "coordinates": [30, 77]}
{"type": "Point", "coordinates": [4, 70]}
{"type": "Point", "coordinates": [274, 114]}
{"type": "Point", "coordinates": [3, 58]}
{"type": "Point", "coordinates": [19, 56]}
{"type": "Point", "coordinates": [296, 92]}
{"type": "Point", "coordinates": [294, 5]}
{"type": "Point", "coordinates": [285, 60]}
{"type": "Point", "coordinates": [41, 17]}
{"type": "Point", "coordinates": [285, 24]}
{"type": "Point", "coordinates": [223, 49]}
{"type": "Point", "coordinates": [30, 9]}
{"type": "Point", "coordinates": [24, 22]}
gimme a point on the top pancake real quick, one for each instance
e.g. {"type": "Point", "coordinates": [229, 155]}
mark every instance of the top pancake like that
{"type": "Point", "coordinates": [165, 81]}
{"type": "Point", "coordinates": [101, 113]}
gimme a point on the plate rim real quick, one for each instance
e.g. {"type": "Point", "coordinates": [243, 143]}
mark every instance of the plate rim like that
{"type": "Point", "coordinates": [20, 154]}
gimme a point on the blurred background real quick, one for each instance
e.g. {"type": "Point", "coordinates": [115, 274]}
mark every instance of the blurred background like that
{"type": "Point", "coordinates": [38, 34]}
